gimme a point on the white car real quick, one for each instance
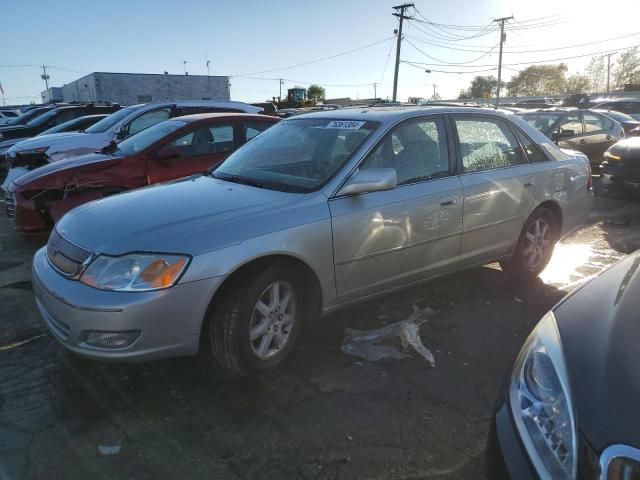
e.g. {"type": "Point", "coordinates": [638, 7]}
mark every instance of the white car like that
{"type": "Point", "coordinates": [115, 127]}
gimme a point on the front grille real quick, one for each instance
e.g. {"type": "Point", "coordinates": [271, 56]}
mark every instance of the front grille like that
{"type": "Point", "coordinates": [65, 256]}
{"type": "Point", "coordinates": [620, 462]}
{"type": "Point", "coordinates": [10, 204]}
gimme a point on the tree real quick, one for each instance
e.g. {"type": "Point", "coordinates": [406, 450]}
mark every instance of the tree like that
{"type": "Point", "coordinates": [315, 93]}
{"type": "Point", "coordinates": [539, 80]}
{"type": "Point", "coordinates": [596, 71]}
{"type": "Point", "coordinates": [578, 83]}
{"type": "Point", "coordinates": [627, 68]}
{"type": "Point", "coordinates": [481, 87]}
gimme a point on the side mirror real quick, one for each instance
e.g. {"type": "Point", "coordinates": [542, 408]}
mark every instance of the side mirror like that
{"type": "Point", "coordinates": [121, 134]}
{"type": "Point", "coordinates": [370, 180]}
{"type": "Point", "coordinates": [166, 153]}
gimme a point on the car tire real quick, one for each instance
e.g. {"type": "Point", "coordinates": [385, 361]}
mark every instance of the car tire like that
{"type": "Point", "coordinates": [235, 323]}
{"type": "Point", "coordinates": [535, 246]}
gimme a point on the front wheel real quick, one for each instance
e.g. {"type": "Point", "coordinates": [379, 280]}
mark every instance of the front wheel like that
{"type": "Point", "coordinates": [256, 325]}
{"type": "Point", "coordinates": [535, 246]}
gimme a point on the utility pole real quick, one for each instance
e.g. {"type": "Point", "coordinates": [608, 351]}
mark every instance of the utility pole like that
{"type": "Point", "coordinates": [434, 90]}
{"type": "Point", "coordinates": [208, 74]}
{"type": "Point", "coordinates": [375, 90]}
{"type": "Point", "coordinates": [45, 77]}
{"type": "Point", "coordinates": [608, 55]}
{"type": "Point", "coordinates": [280, 96]}
{"type": "Point", "coordinates": [400, 8]}
{"type": "Point", "coordinates": [184, 63]}
{"type": "Point", "coordinates": [502, 38]}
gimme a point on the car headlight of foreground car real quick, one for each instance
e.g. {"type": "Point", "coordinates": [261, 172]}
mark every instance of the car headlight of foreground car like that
{"type": "Point", "coordinates": [135, 272]}
{"type": "Point", "coordinates": [541, 405]}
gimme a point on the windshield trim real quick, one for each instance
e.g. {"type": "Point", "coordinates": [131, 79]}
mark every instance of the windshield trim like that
{"type": "Point", "coordinates": [288, 188]}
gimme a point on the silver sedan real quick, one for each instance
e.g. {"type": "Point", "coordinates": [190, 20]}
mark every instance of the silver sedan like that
{"type": "Point", "coordinates": [318, 212]}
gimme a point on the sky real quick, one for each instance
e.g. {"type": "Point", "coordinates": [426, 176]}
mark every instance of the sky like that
{"type": "Point", "coordinates": [253, 41]}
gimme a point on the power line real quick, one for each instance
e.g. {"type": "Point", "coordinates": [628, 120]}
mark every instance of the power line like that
{"type": "Point", "coordinates": [316, 60]}
{"type": "Point", "coordinates": [444, 62]}
{"type": "Point", "coordinates": [539, 61]}
{"type": "Point", "coordinates": [421, 67]}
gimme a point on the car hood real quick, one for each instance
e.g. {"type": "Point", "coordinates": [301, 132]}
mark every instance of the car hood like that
{"type": "Point", "coordinates": [67, 138]}
{"type": "Point", "coordinates": [193, 216]}
{"type": "Point", "coordinates": [96, 159]}
{"type": "Point", "coordinates": [600, 335]}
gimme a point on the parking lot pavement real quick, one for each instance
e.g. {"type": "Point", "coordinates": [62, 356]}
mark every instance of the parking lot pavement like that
{"type": "Point", "coordinates": [324, 415]}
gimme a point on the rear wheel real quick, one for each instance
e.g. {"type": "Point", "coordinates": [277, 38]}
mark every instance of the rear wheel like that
{"type": "Point", "coordinates": [258, 321]}
{"type": "Point", "coordinates": [535, 246]}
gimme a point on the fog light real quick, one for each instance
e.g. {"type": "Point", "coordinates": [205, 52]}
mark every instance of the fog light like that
{"type": "Point", "coordinates": [111, 339]}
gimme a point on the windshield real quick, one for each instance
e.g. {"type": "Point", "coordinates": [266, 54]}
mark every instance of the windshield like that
{"type": "Point", "coordinates": [108, 122]}
{"type": "Point", "coordinates": [26, 116]}
{"type": "Point", "coordinates": [298, 155]}
{"type": "Point", "coordinates": [147, 137]}
{"type": "Point", "coordinates": [43, 119]}
{"type": "Point", "coordinates": [543, 121]}
{"type": "Point", "coordinates": [63, 127]}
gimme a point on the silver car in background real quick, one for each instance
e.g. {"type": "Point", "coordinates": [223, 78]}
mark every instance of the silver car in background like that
{"type": "Point", "coordinates": [318, 212]}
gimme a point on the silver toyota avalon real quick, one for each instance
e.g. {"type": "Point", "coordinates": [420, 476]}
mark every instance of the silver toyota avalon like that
{"type": "Point", "coordinates": [318, 212]}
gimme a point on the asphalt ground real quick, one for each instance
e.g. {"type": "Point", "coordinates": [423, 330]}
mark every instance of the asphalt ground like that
{"type": "Point", "coordinates": [324, 415]}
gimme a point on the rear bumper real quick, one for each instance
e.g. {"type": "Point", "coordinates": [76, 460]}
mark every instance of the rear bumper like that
{"type": "Point", "coordinates": [168, 322]}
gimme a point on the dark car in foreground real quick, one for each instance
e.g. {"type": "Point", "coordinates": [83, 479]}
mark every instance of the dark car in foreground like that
{"type": "Point", "coordinates": [621, 165]}
{"type": "Point", "coordinates": [570, 408]}
{"type": "Point", "coordinates": [53, 117]}
{"type": "Point", "coordinates": [583, 130]}
{"type": "Point", "coordinates": [166, 151]}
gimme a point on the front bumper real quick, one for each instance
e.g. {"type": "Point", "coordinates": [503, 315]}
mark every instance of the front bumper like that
{"type": "Point", "coordinates": [26, 216]}
{"type": "Point", "coordinates": [169, 321]}
{"type": "Point", "coordinates": [506, 456]}
{"type": "Point", "coordinates": [615, 173]}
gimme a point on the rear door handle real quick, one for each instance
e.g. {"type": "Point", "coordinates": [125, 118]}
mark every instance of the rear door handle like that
{"type": "Point", "coordinates": [583, 141]}
{"type": "Point", "coordinates": [608, 137]}
{"type": "Point", "coordinates": [528, 184]}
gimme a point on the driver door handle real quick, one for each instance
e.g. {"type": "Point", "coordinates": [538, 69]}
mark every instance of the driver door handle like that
{"type": "Point", "coordinates": [448, 201]}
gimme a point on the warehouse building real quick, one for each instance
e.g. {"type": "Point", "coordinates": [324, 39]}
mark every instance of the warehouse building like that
{"type": "Point", "coordinates": [131, 88]}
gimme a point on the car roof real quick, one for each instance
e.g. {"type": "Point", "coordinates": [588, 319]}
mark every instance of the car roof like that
{"type": "Point", "coordinates": [197, 117]}
{"type": "Point", "coordinates": [392, 114]}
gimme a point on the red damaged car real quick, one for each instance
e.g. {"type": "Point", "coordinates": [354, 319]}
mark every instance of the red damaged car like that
{"type": "Point", "coordinates": [172, 149]}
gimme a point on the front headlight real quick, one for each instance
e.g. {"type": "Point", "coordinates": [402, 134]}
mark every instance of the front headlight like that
{"type": "Point", "coordinates": [541, 404]}
{"type": "Point", "coordinates": [612, 157]}
{"type": "Point", "coordinates": [135, 272]}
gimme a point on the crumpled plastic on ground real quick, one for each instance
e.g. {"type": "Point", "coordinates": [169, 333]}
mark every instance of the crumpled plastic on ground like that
{"type": "Point", "coordinates": [365, 343]}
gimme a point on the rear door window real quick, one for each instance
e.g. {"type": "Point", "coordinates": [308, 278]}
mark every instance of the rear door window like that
{"type": "Point", "coordinates": [592, 122]}
{"type": "Point", "coordinates": [252, 129]}
{"type": "Point", "coordinates": [533, 151]}
{"type": "Point", "coordinates": [571, 123]}
{"type": "Point", "coordinates": [486, 144]}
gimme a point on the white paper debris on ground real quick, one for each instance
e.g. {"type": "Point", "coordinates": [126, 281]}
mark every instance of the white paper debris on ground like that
{"type": "Point", "coordinates": [112, 449]}
{"type": "Point", "coordinates": [366, 343]}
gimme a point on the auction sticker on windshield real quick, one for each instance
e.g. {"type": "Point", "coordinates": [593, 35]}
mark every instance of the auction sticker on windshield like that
{"type": "Point", "coordinates": [345, 124]}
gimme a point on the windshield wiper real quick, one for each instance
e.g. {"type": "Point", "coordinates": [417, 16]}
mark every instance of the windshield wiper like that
{"type": "Point", "coordinates": [240, 180]}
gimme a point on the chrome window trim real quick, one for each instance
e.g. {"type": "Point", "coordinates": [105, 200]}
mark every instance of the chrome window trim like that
{"type": "Point", "coordinates": [616, 451]}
